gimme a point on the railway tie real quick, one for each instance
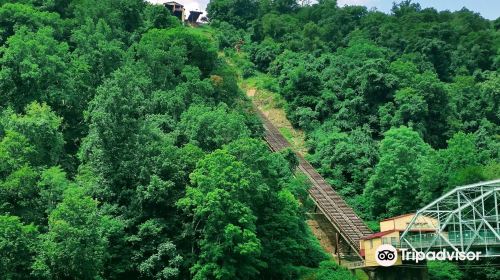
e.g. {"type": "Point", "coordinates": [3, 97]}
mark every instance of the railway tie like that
{"type": "Point", "coordinates": [343, 218]}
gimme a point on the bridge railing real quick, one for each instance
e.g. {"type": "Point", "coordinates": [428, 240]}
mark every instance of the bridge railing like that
{"type": "Point", "coordinates": [468, 237]}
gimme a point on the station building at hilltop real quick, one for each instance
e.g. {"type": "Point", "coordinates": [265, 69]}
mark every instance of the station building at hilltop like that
{"type": "Point", "coordinates": [179, 11]}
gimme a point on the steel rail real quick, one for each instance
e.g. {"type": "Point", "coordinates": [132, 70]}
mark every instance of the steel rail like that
{"type": "Point", "coordinates": [340, 215]}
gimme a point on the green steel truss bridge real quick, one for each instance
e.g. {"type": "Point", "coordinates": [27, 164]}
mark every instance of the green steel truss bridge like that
{"type": "Point", "coordinates": [465, 219]}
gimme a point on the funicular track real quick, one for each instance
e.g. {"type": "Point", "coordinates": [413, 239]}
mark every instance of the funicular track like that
{"type": "Point", "coordinates": [342, 217]}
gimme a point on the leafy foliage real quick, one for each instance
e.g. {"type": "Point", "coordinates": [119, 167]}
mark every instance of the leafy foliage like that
{"type": "Point", "coordinates": [75, 245]}
{"type": "Point", "coordinates": [127, 149]}
{"type": "Point", "coordinates": [17, 242]}
{"type": "Point", "coordinates": [398, 108]}
{"type": "Point", "coordinates": [444, 271]}
{"type": "Point", "coordinates": [110, 110]}
{"type": "Point", "coordinates": [247, 219]}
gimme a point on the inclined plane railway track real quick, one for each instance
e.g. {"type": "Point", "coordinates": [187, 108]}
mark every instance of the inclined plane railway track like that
{"type": "Point", "coordinates": [343, 218]}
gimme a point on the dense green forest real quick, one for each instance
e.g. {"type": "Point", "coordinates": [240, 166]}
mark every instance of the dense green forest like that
{"type": "Point", "coordinates": [397, 108]}
{"type": "Point", "coordinates": [128, 150]}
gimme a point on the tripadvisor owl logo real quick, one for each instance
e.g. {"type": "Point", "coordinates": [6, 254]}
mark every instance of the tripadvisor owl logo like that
{"type": "Point", "coordinates": [386, 255]}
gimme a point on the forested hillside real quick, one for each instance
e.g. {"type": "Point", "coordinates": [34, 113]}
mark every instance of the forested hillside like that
{"type": "Point", "coordinates": [397, 108]}
{"type": "Point", "coordinates": [127, 151]}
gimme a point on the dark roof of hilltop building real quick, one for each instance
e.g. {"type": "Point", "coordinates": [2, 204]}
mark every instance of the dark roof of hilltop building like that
{"type": "Point", "coordinates": [172, 3]}
{"type": "Point", "coordinates": [194, 15]}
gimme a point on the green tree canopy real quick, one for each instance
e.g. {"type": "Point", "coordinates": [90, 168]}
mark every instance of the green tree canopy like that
{"type": "Point", "coordinates": [75, 245]}
{"type": "Point", "coordinates": [17, 244]}
{"type": "Point", "coordinates": [211, 128]}
{"type": "Point", "coordinates": [394, 184]}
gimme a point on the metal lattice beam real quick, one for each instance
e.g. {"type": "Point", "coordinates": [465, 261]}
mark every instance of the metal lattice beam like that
{"type": "Point", "coordinates": [465, 219]}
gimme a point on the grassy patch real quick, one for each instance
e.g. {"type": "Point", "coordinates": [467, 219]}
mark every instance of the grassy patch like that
{"type": "Point", "coordinates": [262, 81]}
{"type": "Point", "coordinates": [267, 99]}
{"type": "Point", "coordinates": [287, 133]}
{"type": "Point", "coordinates": [273, 104]}
{"type": "Point", "coordinates": [263, 91]}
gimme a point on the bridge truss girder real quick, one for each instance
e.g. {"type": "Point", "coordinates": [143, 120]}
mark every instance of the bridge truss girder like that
{"type": "Point", "coordinates": [464, 219]}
